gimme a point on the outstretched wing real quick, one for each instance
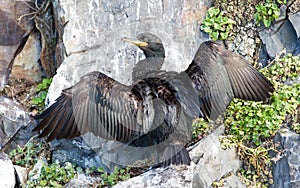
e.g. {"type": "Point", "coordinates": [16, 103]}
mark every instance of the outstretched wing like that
{"type": "Point", "coordinates": [219, 75]}
{"type": "Point", "coordinates": [104, 107]}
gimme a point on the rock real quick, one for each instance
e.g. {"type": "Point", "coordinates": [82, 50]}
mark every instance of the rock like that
{"type": "Point", "coordinates": [278, 37]}
{"type": "Point", "coordinates": [36, 171]}
{"type": "Point", "coordinates": [233, 181]}
{"type": "Point", "coordinates": [93, 41]}
{"type": "Point", "coordinates": [212, 161]}
{"type": "Point", "coordinates": [93, 37]}
{"type": "Point", "coordinates": [172, 176]}
{"type": "Point", "coordinates": [244, 41]}
{"type": "Point", "coordinates": [295, 21]}
{"type": "Point", "coordinates": [263, 56]}
{"type": "Point", "coordinates": [209, 163]}
{"type": "Point", "coordinates": [79, 152]}
{"type": "Point", "coordinates": [25, 64]}
{"type": "Point", "coordinates": [13, 117]}
{"type": "Point", "coordinates": [13, 28]}
{"type": "Point", "coordinates": [7, 172]}
{"type": "Point", "coordinates": [83, 181]}
{"type": "Point", "coordinates": [294, 6]}
{"type": "Point", "coordinates": [22, 136]}
{"type": "Point", "coordinates": [282, 15]}
{"type": "Point", "coordinates": [21, 172]}
{"type": "Point", "coordinates": [286, 170]}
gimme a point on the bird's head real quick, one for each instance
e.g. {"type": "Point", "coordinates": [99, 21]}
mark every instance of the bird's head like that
{"type": "Point", "coordinates": [150, 44]}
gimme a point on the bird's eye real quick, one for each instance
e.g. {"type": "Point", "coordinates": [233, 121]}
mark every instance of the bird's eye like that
{"type": "Point", "coordinates": [145, 39]}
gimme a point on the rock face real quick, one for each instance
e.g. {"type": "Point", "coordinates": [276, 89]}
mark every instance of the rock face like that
{"type": "Point", "coordinates": [286, 171]}
{"type": "Point", "coordinates": [12, 30]}
{"type": "Point", "coordinates": [212, 161]}
{"type": "Point", "coordinates": [209, 164]}
{"type": "Point", "coordinates": [295, 21]}
{"type": "Point", "coordinates": [282, 35]}
{"type": "Point", "coordinates": [93, 39]}
{"type": "Point", "coordinates": [13, 117]}
{"type": "Point", "coordinates": [173, 176]}
{"type": "Point", "coordinates": [7, 172]}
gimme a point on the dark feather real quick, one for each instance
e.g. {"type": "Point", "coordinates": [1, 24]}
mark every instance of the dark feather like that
{"type": "Point", "coordinates": [158, 107]}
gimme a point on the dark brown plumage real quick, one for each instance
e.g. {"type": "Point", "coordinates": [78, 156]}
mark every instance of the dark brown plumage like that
{"type": "Point", "coordinates": [158, 109]}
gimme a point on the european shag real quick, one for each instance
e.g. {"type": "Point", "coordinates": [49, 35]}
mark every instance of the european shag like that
{"type": "Point", "coordinates": [159, 108]}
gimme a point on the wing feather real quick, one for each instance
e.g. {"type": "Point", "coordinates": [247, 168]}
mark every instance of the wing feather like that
{"type": "Point", "coordinates": [98, 104]}
{"type": "Point", "coordinates": [219, 75]}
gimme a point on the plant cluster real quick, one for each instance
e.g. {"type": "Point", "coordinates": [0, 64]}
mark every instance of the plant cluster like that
{"type": "Point", "coordinates": [28, 155]}
{"type": "Point", "coordinates": [52, 175]}
{"type": "Point", "coordinates": [251, 125]}
{"type": "Point", "coordinates": [41, 94]}
{"type": "Point", "coordinates": [110, 179]}
{"type": "Point", "coordinates": [267, 12]}
{"type": "Point", "coordinates": [216, 24]}
{"type": "Point", "coordinates": [200, 128]}
{"type": "Point", "coordinates": [55, 175]}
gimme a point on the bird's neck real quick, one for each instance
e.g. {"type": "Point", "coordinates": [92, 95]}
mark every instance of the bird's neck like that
{"type": "Point", "coordinates": [151, 54]}
{"type": "Point", "coordinates": [146, 66]}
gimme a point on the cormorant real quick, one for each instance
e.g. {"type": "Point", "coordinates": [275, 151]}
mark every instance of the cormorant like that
{"type": "Point", "coordinates": [157, 109]}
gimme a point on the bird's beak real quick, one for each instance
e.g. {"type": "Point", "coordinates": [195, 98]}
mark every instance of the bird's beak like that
{"type": "Point", "coordinates": [136, 42]}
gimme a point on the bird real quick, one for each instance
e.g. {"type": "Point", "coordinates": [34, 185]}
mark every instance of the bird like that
{"type": "Point", "coordinates": [157, 109]}
{"type": "Point", "coordinates": [154, 52]}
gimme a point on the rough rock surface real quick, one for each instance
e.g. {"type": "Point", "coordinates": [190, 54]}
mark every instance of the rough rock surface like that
{"type": "Point", "coordinates": [93, 39]}
{"type": "Point", "coordinates": [13, 117]}
{"type": "Point", "coordinates": [25, 64]}
{"type": "Point", "coordinates": [173, 176]}
{"type": "Point", "coordinates": [94, 31]}
{"type": "Point", "coordinates": [12, 31]}
{"type": "Point", "coordinates": [209, 164]}
{"type": "Point", "coordinates": [295, 20]}
{"type": "Point", "coordinates": [83, 181]}
{"type": "Point", "coordinates": [7, 172]}
{"type": "Point", "coordinates": [21, 173]}
{"type": "Point", "coordinates": [212, 161]}
{"type": "Point", "coordinates": [279, 37]}
{"type": "Point", "coordinates": [283, 34]}
{"type": "Point", "coordinates": [286, 171]}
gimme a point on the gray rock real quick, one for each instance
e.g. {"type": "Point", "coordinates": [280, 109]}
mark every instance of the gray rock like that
{"type": "Point", "coordinates": [26, 64]}
{"type": "Point", "coordinates": [12, 33]}
{"type": "Point", "coordinates": [93, 41]}
{"type": "Point", "coordinates": [13, 117]}
{"type": "Point", "coordinates": [286, 171]}
{"type": "Point", "coordinates": [21, 173]}
{"type": "Point", "coordinates": [295, 21]}
{"type": "Point", "coordinates": [35, 173]}
{"type": "Point", "coordinates": [233, 181]}
{"type": "Point", "coordinates": [83, 181]}
{"type": "Point", "coordinates": [94, 32]}
{"type": "Point", "coordinates": [173, 176]}
{"type": "Point", "coordinates": [7, 172]}
{"type": "Point", "coordinates": [244, 41]}
{"type": "Point", "coordinates": [212, 161]}
{"type": "Point", "coordinates": [278, 37]}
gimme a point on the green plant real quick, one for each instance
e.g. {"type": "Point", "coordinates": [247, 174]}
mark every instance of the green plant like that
{"type": "Point", "coordinates": [27, 156]}
{"type": "Point", "coordinates": [296, 128]}
{"type": "Point", "coordinates": [216, 24]}
{"type": "Point", "coordinates": [256, 121]}
{"type": "Point", "coordinates": [41, 93]}
{"type": "Point", "coordinates": [267, 12]}
{"type": "Point", "coordinates": [114, 177]}
{"type": "Point", "coordinates": [283, 68]}
{"type": "Point", "coordinates": [52, 175]}
{"type": "Point", "coordinates": [200, 128]}
{"type": "Point", "coordinates": [250, 126]}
